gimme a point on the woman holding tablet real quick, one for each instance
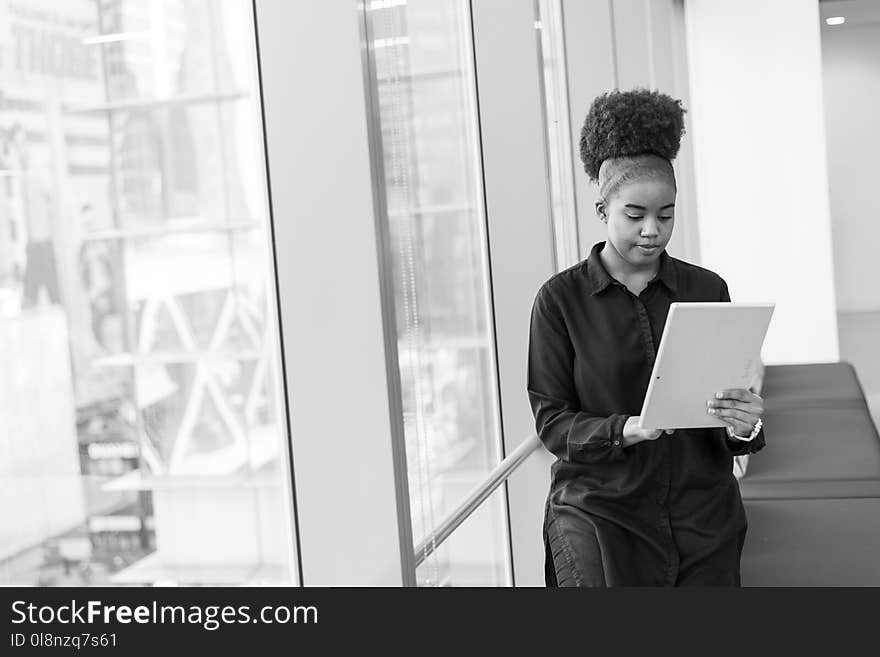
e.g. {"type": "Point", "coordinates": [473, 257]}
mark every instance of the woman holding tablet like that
{"type": "Point", "coordinates": [630, 507]}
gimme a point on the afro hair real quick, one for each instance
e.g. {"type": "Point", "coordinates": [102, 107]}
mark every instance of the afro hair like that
{"type": "Point", "coordinates": [625, 123]}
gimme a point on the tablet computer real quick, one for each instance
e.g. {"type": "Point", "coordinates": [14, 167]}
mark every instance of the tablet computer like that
{"type": "Point", "coordinates": [706, 347]}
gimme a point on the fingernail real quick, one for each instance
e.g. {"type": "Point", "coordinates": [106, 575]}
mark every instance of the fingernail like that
{"type": "Point", "coordinates": [712, 411]}
{"type": "Point", "coordinates": [718, 395]}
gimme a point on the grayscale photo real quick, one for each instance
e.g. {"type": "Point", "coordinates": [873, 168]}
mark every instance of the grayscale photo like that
{"type": "Point", "coordinates": [436, 293]}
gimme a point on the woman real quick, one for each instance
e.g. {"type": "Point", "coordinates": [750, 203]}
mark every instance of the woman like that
{"type": "Point", "coordinates": [630, 507]}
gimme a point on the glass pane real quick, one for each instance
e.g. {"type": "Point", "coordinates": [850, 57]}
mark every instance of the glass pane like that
{"type": "Point", "coordinates": [424, 78]}
{"type": "Point", "coordinates": [475, 553]}
{"type": "Point", "coordinates": [142, 434]}
{"type": "Point", "coordinates": [558, 137]}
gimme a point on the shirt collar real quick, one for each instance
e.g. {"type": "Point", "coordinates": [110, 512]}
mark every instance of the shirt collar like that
{"type": "Point", "coordinates": [599, 278]}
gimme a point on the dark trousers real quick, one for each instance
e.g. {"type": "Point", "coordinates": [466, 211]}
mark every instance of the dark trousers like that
{"type": "Point", "coordinates": [573, 557]}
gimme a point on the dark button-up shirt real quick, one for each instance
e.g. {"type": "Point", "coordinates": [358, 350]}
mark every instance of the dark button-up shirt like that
{"type": "Point", "coordinates": [592, 347]}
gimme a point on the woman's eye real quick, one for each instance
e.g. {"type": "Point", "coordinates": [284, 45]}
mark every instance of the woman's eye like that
{"type": "Point", "coordinates": [632, 217]}
{"type": "Point", "coordinates": [665, 218]}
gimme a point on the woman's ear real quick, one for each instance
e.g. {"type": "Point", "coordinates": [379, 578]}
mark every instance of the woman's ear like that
{"type": "Point", "coordinates": [601, 211]}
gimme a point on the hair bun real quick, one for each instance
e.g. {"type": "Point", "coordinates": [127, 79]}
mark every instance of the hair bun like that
{"type": "Point", "coordinates": [622, 123]}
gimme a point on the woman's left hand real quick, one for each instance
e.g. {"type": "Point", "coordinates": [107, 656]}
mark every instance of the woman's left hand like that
{"type": "Point", "coordinates": [739, 409]}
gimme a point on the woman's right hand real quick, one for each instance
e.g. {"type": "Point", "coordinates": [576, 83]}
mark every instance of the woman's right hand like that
{"type": "Point", "coordinates": [632, 434]}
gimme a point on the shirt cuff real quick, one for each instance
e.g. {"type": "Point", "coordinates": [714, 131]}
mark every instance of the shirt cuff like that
{"type": "Point", "coordinates": [615, 441]}
{"type": "Point", "coordinates": [745, 439]}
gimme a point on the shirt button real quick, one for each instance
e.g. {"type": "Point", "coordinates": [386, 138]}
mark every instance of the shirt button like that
{"type": "Point", "coordinates": [617, 443]}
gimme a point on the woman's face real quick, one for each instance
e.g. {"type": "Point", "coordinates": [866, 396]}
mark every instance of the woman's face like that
{"type": "Point", "coordinates": [640, 217]}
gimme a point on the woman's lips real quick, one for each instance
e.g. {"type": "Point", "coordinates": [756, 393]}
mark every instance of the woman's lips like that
{"type": "Point", "coordinates": [648, 248]}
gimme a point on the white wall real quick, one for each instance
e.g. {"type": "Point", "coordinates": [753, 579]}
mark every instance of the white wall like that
{"type": "Point", "coordinates": [759, 149]}
{"type": "Point", "coordinates": [851, 67]}
{"type": "Point", "coordinates": [625, 44]}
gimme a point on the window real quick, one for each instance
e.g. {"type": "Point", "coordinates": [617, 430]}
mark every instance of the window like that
{"type": "Point", "coordinates": [559, 147]}
{"type": "Point", "coordinates": [142, 434]}
{"type": "Point", "coordinates": [424, 85]}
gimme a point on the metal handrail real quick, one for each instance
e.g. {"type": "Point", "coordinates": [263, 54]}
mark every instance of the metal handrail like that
{"type": "Point", "coordinates": [497, 477]}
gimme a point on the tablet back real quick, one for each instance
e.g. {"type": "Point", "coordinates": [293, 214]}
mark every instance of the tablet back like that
{"type": "Point", "coordinates": [705, 348]}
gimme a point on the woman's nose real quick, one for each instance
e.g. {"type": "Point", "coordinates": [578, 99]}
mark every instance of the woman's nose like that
{"type": "Point", "coordinates": [650, 228]}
